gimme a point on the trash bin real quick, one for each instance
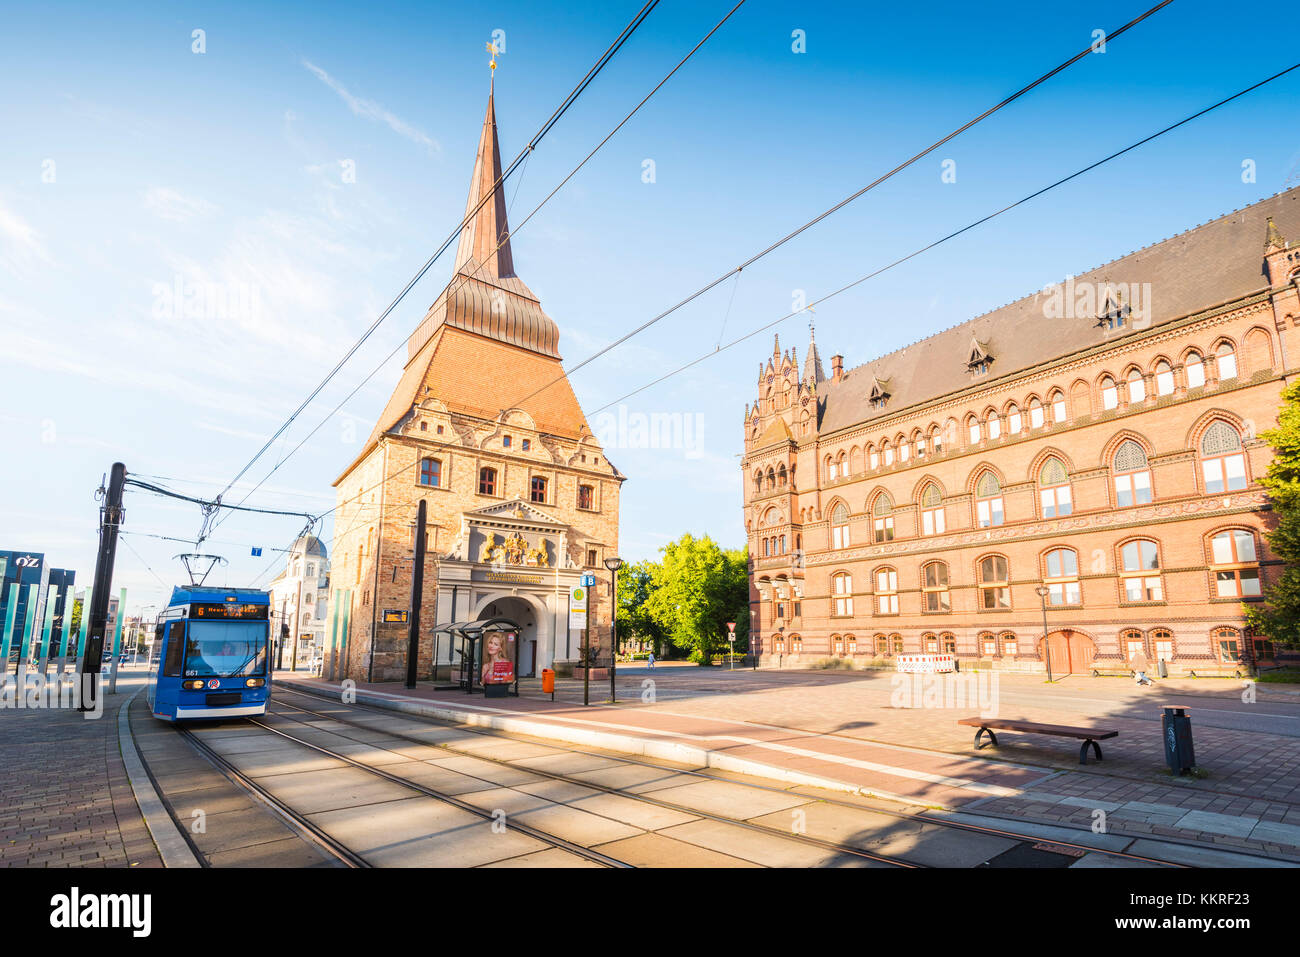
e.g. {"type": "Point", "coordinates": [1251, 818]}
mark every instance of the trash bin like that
{"type": "Point", "coordinates": [1177, 728]}
{"type": "Point", "coordinates": [548, 681]}
{"type": "Point", "coordinates": [1162, 668]}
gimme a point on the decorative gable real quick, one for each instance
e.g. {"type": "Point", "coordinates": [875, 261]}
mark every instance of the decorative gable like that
{"type": "Point", "coordinates": [978, 357]}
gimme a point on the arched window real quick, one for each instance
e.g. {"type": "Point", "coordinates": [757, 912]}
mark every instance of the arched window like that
{"type": "Point", "coordinates": [896, 642]}
{"type": "Point", "coordinates": [936, 440]}
{"type": "Point", "coordinates": [994, 582]}
{"type": "Point", "coordinates": [1194, 369]}
{"type": "Point", "coordinates": [1234, 564]}
{"type": "Point", "coordinates": [781, 476]}
{"type": "Point", "coordinates": [1227, 643]}
{"type": "Point", "coordinates": [904, 448]}
{"type": "Point", "coordinates": [1132, 644]}
{"type": "Point", "coordinates": [994, 425]}
{"type": "Point", "coordinates": [1036, 418]}
{"type": "Point", "coordinates": [840, 527]}
{"type": "Point", "coordinates": [1137, 387]}
{"type": "Point", "coordinates": [771, 478]}
{"type": "Point", "coordinates": [1054, 489]}
{"type": "Point", "coordinates": [888, 452]}
{"type": "Point", "coordinates": [932, 522]}
{"type": "Point", "coordinates": [988, 501]}
{"type": "Point", "coordinates": [1162, 642]}
{"type": "Point", "coordinates": [931, 644]}
{"type": "Point", "coordinates": [767, 549]}
{"type": "Point", "coordinates": [851, 644]}
{"type": "Point", "coordinates": [1132, 476]}
{"type": "Point", "coordinates": [306, 618]}
{"type": "Point", "coordinates": [1225, 359]}
{"type": "Point", "coordinates": [1164, 378]}
{"type": "Point", "coordinates": [837, 645]}
{"type": "Point", "coordinates": [1057, 402]}
{"type": "Point", "coordinates": [1140, 571]}
{"type": "Point", "coordinates": [973, 430]}
{"type": "Point", "coordinates": [758, 481]}
{"type": "Point", "coordinates": [1061, 576]}
{"type": "Point", "coordinates": [842, 587]}
{"type": "Point", "coordinates": [882, 519]}
{"type": "Point", "coordinates": [873, 457]}
{"type": "Point", "coordinates": [1010, 646]}
{"type": "Point", "coordinates": [1223, 463]}
{"type": "Point", "coordinates": [881, 645]}
{"type": "Point", "coordinates": [1109, 394]}
{"type": "Point", "coordinates": [949, 641]}
{"type": "Point", "coordinates": [988, 644]}
{"type": "Point", "coordinates": [1014, 421]}
{"type": "Point", "coordinates": [934, 587]}
{"type": "Point", "coordinates": [918, 440]}
{"type": "Point", "coordinates": [430, 472]}
{"type": "Point", "coordinates": [831, 472]}
{"type": "Point", "coordinates": [487, 481]}
{"type": "Point", "coordinates": [886, 591]}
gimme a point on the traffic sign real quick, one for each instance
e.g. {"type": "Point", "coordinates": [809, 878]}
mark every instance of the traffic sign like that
{"type": "Point", "coordinates": [588, 581]}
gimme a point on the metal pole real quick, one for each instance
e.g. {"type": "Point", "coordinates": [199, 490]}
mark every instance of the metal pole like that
{"type": "Point", "coordinates": [110, 520]}
{"type": "Point", "coordinates": [613, 631]}
{"type": "Point", "coordinates": [586, 653]}
{"type": "Point", "coordinates": [1047, 645]}
{"type": "Point", "coordinates": [11, 612]}
{"type": "Point", "coordinates": [117, 643]}
{"type": "Point", "coordinates": [294, 636]}
{"type": "Point", "coordinates": [417, 597]}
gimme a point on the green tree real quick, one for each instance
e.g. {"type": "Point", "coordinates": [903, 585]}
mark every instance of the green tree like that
{"type": "Point", "coordinates": [695, 590]}
{"type": "Point", "coordinates": [635, 623]}
{"type": "Point", "coordinates": [1278, 617]}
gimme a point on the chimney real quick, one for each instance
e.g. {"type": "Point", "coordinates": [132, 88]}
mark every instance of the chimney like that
{"type": "Point", "coordinates": [837, 368]}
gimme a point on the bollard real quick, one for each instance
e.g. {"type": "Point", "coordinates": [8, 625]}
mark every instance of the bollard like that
{"type": "Point", "coordinates": [1177, 729]}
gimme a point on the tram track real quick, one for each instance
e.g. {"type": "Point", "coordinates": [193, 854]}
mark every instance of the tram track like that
{"type": "Point", "coordinates": [1069, 847]}
{"type": "Point", "coordinates": [801, 839]}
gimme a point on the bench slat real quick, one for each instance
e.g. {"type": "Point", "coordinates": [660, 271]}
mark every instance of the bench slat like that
{"type": "Point", "coordinates": [1034, 727]}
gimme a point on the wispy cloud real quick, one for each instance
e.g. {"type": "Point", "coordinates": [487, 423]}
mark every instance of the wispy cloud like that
{"type": "Point", "coordinates": [373, 111]}
{"type": "Point", "coordinates": [166, 203]}
{"type": "Point", "coordinates": [20, 244]}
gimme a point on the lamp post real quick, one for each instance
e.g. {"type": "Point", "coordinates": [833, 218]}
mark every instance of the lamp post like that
{"type": "Point", "coordinates": [613, 564]}
{"type": "Point", "coordinates": [1042, 591]}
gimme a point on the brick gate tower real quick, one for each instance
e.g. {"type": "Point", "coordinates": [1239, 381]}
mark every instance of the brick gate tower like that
{"type": "Point", "coordinates": [485, 428]}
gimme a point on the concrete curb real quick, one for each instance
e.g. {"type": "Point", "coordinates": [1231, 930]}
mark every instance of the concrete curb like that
{"type": "Point", "coordinates": [172, 847]}
{"type": "Point", "coordinates": [623, 743]}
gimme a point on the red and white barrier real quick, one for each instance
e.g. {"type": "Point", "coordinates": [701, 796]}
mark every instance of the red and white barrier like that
{"type": "Point", "coordinates": [926, 664]}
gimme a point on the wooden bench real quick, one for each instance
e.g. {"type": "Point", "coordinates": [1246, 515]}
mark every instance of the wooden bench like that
{"type": "Point", "coordinates": [1088, 735]}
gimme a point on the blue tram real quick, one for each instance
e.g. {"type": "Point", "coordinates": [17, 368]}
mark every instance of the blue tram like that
{"type": "Point", "coordinates": [210, 657]}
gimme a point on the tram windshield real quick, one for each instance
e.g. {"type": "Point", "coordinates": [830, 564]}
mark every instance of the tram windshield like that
{"type": "Point", "coordinates": [225, 649]}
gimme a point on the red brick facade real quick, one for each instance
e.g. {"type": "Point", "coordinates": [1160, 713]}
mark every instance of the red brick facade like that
{"type": "Point", "coordinates": [1109, 455]}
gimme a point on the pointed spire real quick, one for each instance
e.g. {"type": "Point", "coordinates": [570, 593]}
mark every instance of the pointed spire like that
{"type": "Point", "coordinates": [1273, 241]}
{"type": "Point", "coordinates": [488, 227]}
{"type": "Point", "coordinates": [812, 363]}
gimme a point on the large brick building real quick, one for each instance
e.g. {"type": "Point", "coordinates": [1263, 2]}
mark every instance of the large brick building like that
{"type": "Point", "coordinates": [1096, 441]}
{"type": "Point", "coordinates": [485, 428]}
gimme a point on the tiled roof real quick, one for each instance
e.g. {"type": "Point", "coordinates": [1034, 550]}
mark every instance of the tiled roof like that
{"type": "Point", "coordinates": [1217, 262]}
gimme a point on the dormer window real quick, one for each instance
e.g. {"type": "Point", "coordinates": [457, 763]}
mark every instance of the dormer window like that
{"type": "Point", "coordinates": [1114, 314]}
{"type": "Point", "coordinates": [879, 392]}
{"type": "Point", "coordinates": [978, 359]}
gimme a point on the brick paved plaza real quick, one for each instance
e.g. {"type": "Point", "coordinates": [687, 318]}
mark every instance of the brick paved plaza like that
{"type": "Point", "coordinates": [64, 799]}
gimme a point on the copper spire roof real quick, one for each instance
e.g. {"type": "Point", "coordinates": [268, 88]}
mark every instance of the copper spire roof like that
{"type": "Point", "coordinates": [484, 241]}
{"type": "Point", "coordinates": [485, 296]}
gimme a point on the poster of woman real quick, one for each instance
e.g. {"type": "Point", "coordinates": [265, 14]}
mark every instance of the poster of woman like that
{"type": "Point", "coordinates": [499, 658]}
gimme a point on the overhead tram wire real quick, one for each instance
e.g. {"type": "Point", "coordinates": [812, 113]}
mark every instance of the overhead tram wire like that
{"type": "Point", "coordinates": [510, 235]}
{"type": "Point", "coordinates": [862, 279]}
{"type": "Point", "coordinates": [953, 235]}
{"type": "Point", "coordinates": [452, 237]}
{"type": "Point", "coordinates": [844, 202]}
{"type": "Point", "coordinates": [776, 245]}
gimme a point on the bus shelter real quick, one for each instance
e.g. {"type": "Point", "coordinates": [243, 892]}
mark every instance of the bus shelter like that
{"type": "Point", "coordinates": [488, 653]}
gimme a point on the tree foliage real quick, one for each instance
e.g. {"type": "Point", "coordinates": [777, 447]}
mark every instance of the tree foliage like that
{"type": "Point", "coordinates": [1278, 617]}
{"type": "Point", "coordinates": [634, 619]}
{"type": "Point", "coordinates": [694, 591]}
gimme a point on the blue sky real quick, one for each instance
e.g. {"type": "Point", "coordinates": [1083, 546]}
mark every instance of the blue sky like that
{"type": "Point", "coordinates": [132, 162]}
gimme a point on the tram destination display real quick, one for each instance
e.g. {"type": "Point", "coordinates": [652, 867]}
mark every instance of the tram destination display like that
{"type": "Point", "coordinates": [228, 611]}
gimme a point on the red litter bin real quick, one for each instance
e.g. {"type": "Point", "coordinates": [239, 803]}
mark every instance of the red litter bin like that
{"type": "Point", "coordinates": [548, 681]}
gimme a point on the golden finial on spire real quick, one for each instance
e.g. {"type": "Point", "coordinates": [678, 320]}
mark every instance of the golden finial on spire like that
{"type": "Point", "coordinates": [494, 52]}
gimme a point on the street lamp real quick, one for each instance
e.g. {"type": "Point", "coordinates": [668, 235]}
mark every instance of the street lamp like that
{"type": "Point", "coordinates": [613, 564]}
{"type": "Point", "coordinates": [1042, 591]}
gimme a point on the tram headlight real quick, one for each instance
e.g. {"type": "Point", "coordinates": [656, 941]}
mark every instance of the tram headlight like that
{"type": "Point", "coordinates": [255, 682]}
{"type": "Point", "coordinates": [192, 685]}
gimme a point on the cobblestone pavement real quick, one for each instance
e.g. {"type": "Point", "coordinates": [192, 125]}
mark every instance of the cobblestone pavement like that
{"type": "Point", "coordinates": [1248, 752]}
{"type": "Point", "coordinates": [64, 797]}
